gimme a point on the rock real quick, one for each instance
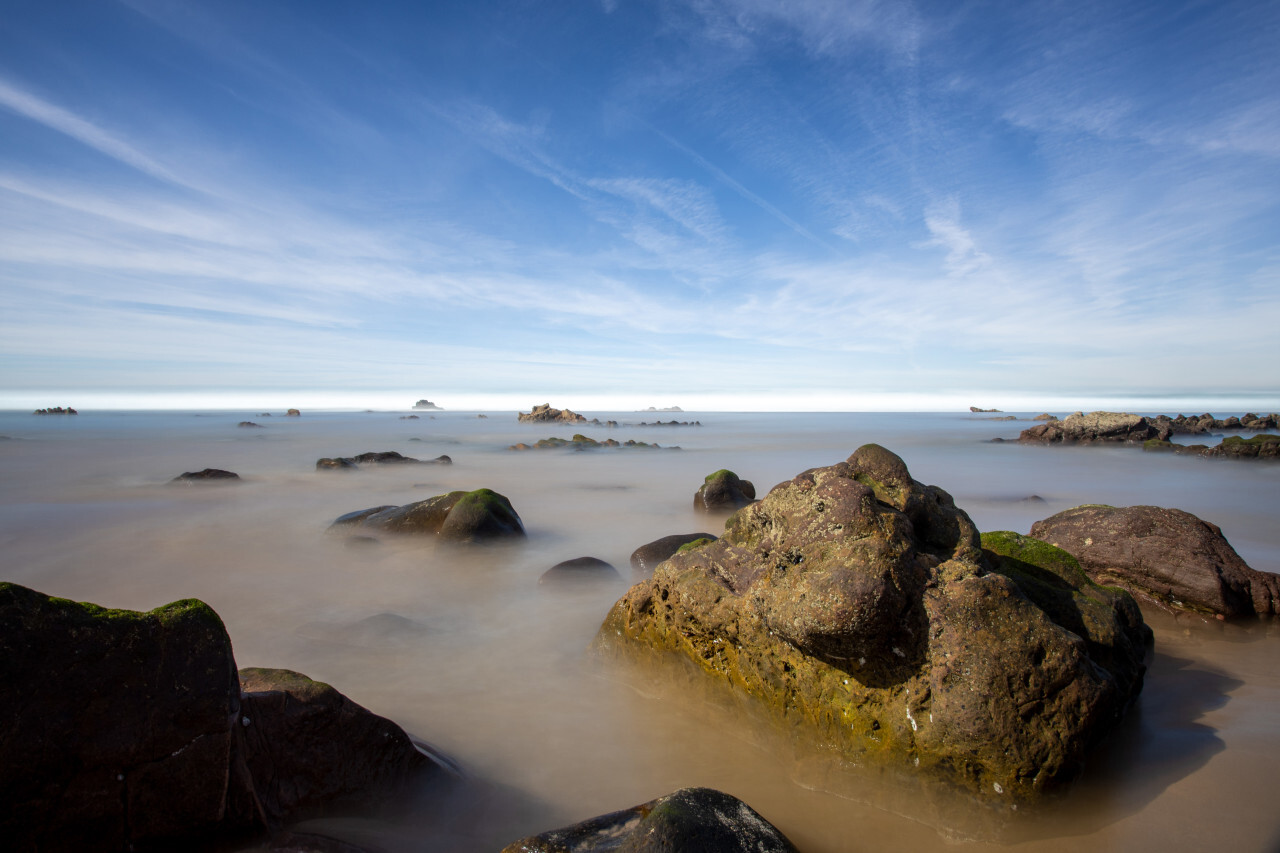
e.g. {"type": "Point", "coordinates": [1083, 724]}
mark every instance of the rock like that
{"type": "Point", "coordinates": [293, 413]}
{"type": "Point", "coordinates": [859, 604]}
{"type": "Point", "coordinates": [463, 517]}
{"type": "Point", "coordinates": [309, 748]}
{"type": "Point", "coordinates": [579, 569]}
{"type": "Point", "coordinates": [119, 723]}
{"type": "Point", "coordinates": [1045, 417]}
{"type": "Point", "coordinates": [385, 457]}
{"type": "Point", "coordinates": [56, 410]}
{"type": "Point", "coordinates": [132, 732]}
{"type": "Point", "coordinates": [249, 424]}
{"type": "Point", "coordinates": [1263, 446]}
{"type": "Point", "coordinates": [691, 819]}
{"type": "Point", "coordinates": [546, 414]}
{"type": "Point", "coordinates": [409, 418]}
{"type": "Point", "coordinates": [336, 463]}
{"type": "Point", "coordinates": [582, 442]}
{"type": "Point", "coordinates": [1165, 556]}
{"type": "Point", "coordinates": [648, 556]}
{"type": "Point", "coordinates": [976, 410]}
{"type": "Point", "coordinates": [205, 475]}
{"type": "Point", "coordinates": [723, 490]}
{"type": "Point", "coordinates": [1094, 427]}
{"type": "Point", "coordinates": [427, 404]}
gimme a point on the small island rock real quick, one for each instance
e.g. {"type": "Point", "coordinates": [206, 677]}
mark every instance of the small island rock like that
{"type": "Point", "coordinates": [546, 414]}
{"type": "Point", "coordinates": [723, 490]}
{"type": "Point", "coordinates": [206, 475]}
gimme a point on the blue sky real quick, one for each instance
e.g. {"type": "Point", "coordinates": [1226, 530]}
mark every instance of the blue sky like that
{"type": "Point", "coordinates": [616, 204]}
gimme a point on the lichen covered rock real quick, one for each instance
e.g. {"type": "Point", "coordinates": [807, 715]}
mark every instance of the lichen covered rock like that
{"type": "Point", "coordinates": [723, 491]}
{"type": "Point", "coordinates": [463, 517]}
{"type": "Point", "coordinates": [860, 604]}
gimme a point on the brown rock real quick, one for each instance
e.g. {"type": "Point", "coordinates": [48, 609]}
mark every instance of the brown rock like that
{"type": "Point", "coordinates": [546, 414]}
{"type": "Point", "coordinates": [1165, 556]}
{"type": "Point", "coordinates": [723, 491]}
{"type": "Point", "coordinates": [1094, 427]}
{"type": "Point", "coordinates": [648, 556]}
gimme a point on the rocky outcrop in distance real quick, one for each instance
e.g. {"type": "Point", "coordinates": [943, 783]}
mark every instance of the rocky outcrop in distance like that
{"type": "Point", "coordinates": [56, 410]}
{"type": "Point", "coordinates": [293, 413]}
{"type": "Point", "coordinates": [976, 410]}
{"type": "Point", "coordinates": [582, 442]}
{"type": "Point", "coordinates": [670, 423]}
{"type": "Point", "coordinates": [862, 606]}
{"type": "Point", "coordinates": [1164, 556]}
{"type": "Point", "coordinates": [461, 517]}
{"type": "Point", "coordinates": [1264, 446]}
{"type": "Point", "coordinates": [1093, 428]}
{"type": "Point", "coordinates": [428, 405]}
{"type": "Point", "coordinates": [545, 414]}
{"type": "Point", "coordinates": [206, 475]}
{"type": "Point", "coordinates": [385, 457]}
{"type": "Point", "coordinates": [692, 819]}
{"type": "Point", "coordinates": [136, 731]}
{"type": "Point", "coordinates": [723, 491]}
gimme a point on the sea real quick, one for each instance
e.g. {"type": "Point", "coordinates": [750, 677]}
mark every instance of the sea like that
{"type": "Point", "coordinates": [469, 651]}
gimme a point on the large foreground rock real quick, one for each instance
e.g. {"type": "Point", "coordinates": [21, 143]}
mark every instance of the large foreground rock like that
{"type": "Point", "coordinates": [1164, 556]}
{"type": "Point", "coordinates": [860, 604]}
{"type": "Point", "coordinates": [1096, 427]}
{"type": "Point", "coordinates": [464, 517]}
{"type": "Point", "coordinates": [124, 730]}
{"type": "Point", "coordinates": [692, 819]}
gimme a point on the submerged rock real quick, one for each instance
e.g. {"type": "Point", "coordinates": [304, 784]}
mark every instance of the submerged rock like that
{"type": "Point", "coordinates": [580, 569]}
{"type": "Point", "coordinates": [691, 819]}
{"type": "Point", "coordinates": [463, 517]}
{"type": "Point", "coordinates": [1165, 556]}
{"type": "Point", "coordinates": [384, 457]}
{"type": "Point", "coordinates": [723, 490]}
{"type": "Point", "coordinates": [859, 604]}
{"type": "Point", "coordinates": [648, 556]}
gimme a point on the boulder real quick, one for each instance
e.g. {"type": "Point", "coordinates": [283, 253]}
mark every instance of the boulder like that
{"type": "Point", "coordinates": [129, 730]}
{"type": "Point", "coordinates": [691, 819]}
{"type": "Point", "coordinates": [1095, 427]}
{"type": "Point", "coordinates": [118, 726]}
{"type": "Point", "coordinates": [546, 414]}
{"type": "Point", "coordinates": [206, 475]}
{"type": "Point", "coordinates": [1164, 556]}
{"type": "Point", "coordinates": [859, 604]}
{"type": "Point", "coordinates": [293, 413]}
{"type": "Point", "coordinates": [649, 555]}
{"type": "Point", "coordinates": [722, 491]}
{"type": "Point", "coordinates": [1265, 446]}
{"type": "Point", "coordinates": [309, 748]}
{"type": "Point", "coordinates": [464, 517]}
{"type": "Point", "coordinates": [580, 569]}
{"type": "Point", "coordinates": [384, 457]}
{"type": "Point", "coordinates": [249, 425]}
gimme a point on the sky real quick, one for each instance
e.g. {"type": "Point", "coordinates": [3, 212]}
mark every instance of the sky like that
{"type": "Point", "coordinates": [615, 204]}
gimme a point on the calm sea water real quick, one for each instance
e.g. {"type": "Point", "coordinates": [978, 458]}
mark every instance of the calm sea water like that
{"type": "Point", "coordinates": [490, 666]}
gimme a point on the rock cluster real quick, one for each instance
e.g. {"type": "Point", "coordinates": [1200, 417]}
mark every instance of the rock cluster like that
{"type": "Point", "coordinates": [582, 442]}
{"type": "Point", "coordinates": [861, 604]}
{"type": "Point", "coordinates": [1165, 556]}
{"type": "Point", "coordinates": [1207, 423]}
{"type": "Point", "coordinates": [1095, 427]}
{"type": "Point", "coordinates": [1264, 446]}
{"type": "Point", "coordinates": [482, 515]}
{"type": "Point", "coordinates": [56, 410]}
{"type": "Point", "coordinates": [546, 414]}
{"type": "Point", "coordinates": [385, 457]}
{"type": "Point", "coordinates": [135, 730]}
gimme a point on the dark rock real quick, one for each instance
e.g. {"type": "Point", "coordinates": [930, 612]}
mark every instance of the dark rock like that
{"type": "Point", "coordinates": [385, 457]}
{"type": "Point", "coordinates": [976, 410]}
{"type": "Point", "coordinates": [117, 729]}
{"type": "Point", "coordinates": [427, 404]}
{"type": "Point", "coordinates": [546, 414]}
{"type": "Point", "coordinates": [1263, 446]}
{"type": "Point", "coordinates": [722, 491]}
{"type": "Point", "coordinates": [310, 749]}
{"type": "Point", "coordinates": [859, 604]}
{"type": "Point", "coordinates": [648, 556]}
{"type": "Point", "coordinates": [463, 517]}
{"type": "Point", "coordinates": [409, 417]}
{"type": "Point", "coordinates": [1094, 427]}
{"type": "Point", "coordinates": [205, 475]}
{"type": "Point", "coordinates": [1164, 556]}
{"type": "Point", "coordinates": [691, 819]}
{"type": "Point", "coordinates": [579, 569]}
{"type": "Point", "coordinates": [582, 442]}
{"type": "Point", "coordinates": [249, 424]}
{"type": "Point", "coordinates": [56, 410]}
{"type": "Point", "coordinates": [336, 463]}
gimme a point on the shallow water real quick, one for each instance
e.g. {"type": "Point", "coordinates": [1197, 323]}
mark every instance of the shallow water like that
{"type": "Point", "coordinates": [469, 652]}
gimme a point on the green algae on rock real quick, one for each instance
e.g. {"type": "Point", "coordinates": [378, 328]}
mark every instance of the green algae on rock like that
{"type": "Point", "coordinates": [464, 517]}
{"type": "Point", "coordinates": [859, 604]}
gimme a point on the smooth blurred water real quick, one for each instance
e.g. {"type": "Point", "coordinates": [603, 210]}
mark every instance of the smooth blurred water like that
{"type": "Point", "coordinates": [490, 666]}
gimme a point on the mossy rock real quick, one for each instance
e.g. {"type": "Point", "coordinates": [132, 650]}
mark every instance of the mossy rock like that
{"type": "Point", "coordinates": [697, 543]}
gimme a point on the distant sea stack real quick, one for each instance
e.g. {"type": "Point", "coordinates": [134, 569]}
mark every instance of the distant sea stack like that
{"type": "Point", "coordinates": [428, 405]}
{"type": "Point", "coordinates": [667, 409]}
{"type": "Point", "coordinates": [546, 414]}
{"type": "Point", "coordinates": [56, 410]}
